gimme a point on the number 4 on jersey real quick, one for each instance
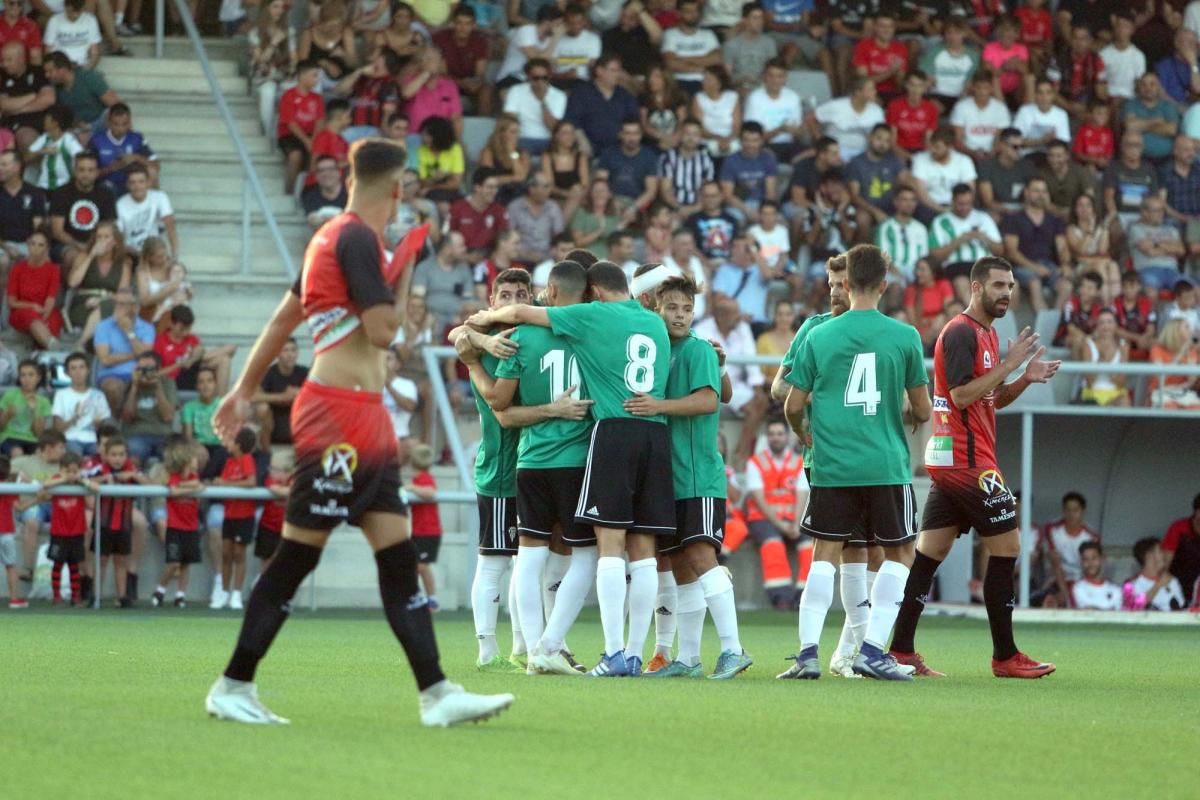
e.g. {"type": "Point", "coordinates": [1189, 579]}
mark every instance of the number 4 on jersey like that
{"type": "Point", "coordinates": [861, 389]}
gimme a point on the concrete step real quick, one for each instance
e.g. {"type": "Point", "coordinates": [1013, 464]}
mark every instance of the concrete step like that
{"type": "Point", "coordinates": [228, 201]}
{"type": "Point", "coordinates": [116, 67]}
{"type": "Point", "coordinates": [156, 125]}
{"type": "Point", "coordinates": [216, 249]}
{"type": "Point", "coordinates": [174, 179]}
{"type": "Point", "coordinates": [239, 309]}
{"type": "Point", "coordinates": [173, 101]}
{"type": "Point", "coordinates": [180, 47]}
{"type": "Point", "coordinates": [201, 114]}
{"type": "Point", "coordinates": [215, 143]}
{"type": "Point", "coordinates": [220, 167]}
{"type": "Point", "coordinates": [226, 268]}
{"type": "Point", "coordinates": [147, 80]}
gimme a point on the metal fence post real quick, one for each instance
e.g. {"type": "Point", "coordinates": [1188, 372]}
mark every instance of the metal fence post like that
{"type": "Point", "coordinates": [98, 578]}
{"type": "Point", "coordinates": [245, 226]}
{"type": "Point", "coordinates": [1026, 517]}
{"type": "Point", "coordinates": [160, 24]}
{"type": "Point", "coordinates": [442, 404]}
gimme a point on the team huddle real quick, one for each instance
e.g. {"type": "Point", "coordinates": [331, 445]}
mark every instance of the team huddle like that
{"type": "Point", "coordinates": [599, 462]}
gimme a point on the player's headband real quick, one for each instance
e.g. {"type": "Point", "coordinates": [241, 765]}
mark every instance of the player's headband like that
{"type": "Point", "coordinates": [649, 281]}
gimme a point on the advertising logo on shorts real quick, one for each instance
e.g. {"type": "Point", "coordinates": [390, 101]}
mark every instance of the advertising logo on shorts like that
{"type": "Point", "coordinates": [84, 215]}
{"type": "Point", "coordinates": [338, 462]}
{"type": "Point", "coordinates": [991, 483]}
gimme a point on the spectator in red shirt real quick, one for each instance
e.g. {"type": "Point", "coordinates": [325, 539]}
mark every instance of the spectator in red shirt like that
{"type": "Point", "coordinates": [1079, 313]}
{"type": "Point", "coordinates": [301, 110]}
{"type": "Point", "coordinates": [914, 116]}
{"type": "Point", "coordinates": [925, 301]}
{"type": "Point", "coordinates": [68, 525]}
{"type": "Point", "coordinates": [237, 530]}
{"type": "Point", "coordinates": [329, 141]}
{"type": "Point", "coordinates": [183, 356]}
{"type": "Point", "coordinates": [182, 538]}
{"type": "Point", "coordinates": [466, 51]}
{"type": "Point", "coordinates": [16, 27]}
{"type": "Point", "coordinates": [116, 517]}
{"type": "Point", "coordinates": [426, 521]}
{"type": "Point", "coordinates": [270, 525]}
{"type": "Point", "coordinates": [881, 58]}
{"type": "Point", "coordinates": [1137, 321]}
{"type": "Point", "coordinates": [374, 94]}
{"type": "Point", "coordinates": [1181, 549]}
{"type": "Point", "coordinates": [1094, 145]}
{"type": "Point", "coordinates": [1037, 29]}
{"type": "Point", "coordinates": [33, 286]}
{"type": "Point", "coordinates": [478, 217]}
{"type": "Point", "coordinates": [1079, 73]}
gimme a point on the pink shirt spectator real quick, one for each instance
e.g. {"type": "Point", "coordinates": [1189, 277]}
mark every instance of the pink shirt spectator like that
{"type": "Point", "coordinates": [7, 140]}
{"type": "Point", "coordinates": [439, 100]}
{"type": "Point", "coordinates": [996, 55]}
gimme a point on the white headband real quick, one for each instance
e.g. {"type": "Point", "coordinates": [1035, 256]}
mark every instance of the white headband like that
{"type": "Point", "coordinates": [649, 281]}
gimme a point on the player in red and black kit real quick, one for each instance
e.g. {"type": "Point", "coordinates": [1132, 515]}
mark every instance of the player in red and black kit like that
{"type": "Point", "coordinates": [968, 489]}
{"type": "Point", "coordinates": [346, 465]}
{"type": "Point", "coordinates": [116, 516]}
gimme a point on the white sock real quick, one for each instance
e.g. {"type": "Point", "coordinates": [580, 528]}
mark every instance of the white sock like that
{"type": "Point", "coordinates": [528, 579]}
{"type": "Point", "coordinates": [718, 594]}
{"type": "Point", "coordinates": [572, 592]}
{"type": "Point", "coordinates": [855, 601]}
{"type": "Point", "coordinates": [610, 593]}
{"type": "Point", "coordinates": [886, 596]}
{"type": "Point", "coordinates": [552, 576]}
{"type": "Point", "coordinates": [690, 610]}
{"type": "Point", "coordinates": [643, 588]}
{"type": "Point", "coordinates": [861, 633]}
{"type": "Point", "coordinates": [160, 589]}
{"type": "Point", "coordinates": [218, 582]}
{"type": "Point", "coordinates": [180, 594]}
{"type": "Point", "coordinates": [514, 613]}
{"type": "Point", "coordinates": [118, 17]}
{"type": "Point", "coordinates": [485, 602]}
{"type": "Point", "coordinates": [664, 614]}
{"type": "Point", "coordinates": [815, 602]}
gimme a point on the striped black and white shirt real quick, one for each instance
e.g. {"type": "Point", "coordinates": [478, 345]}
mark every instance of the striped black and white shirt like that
{"type": "Point", "coordinates": [686, 173]}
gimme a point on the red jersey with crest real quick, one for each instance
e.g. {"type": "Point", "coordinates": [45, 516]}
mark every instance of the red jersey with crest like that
{"type": "Point", "coordinates": [239, 468]}
{"type": "Point", "coordinates": [963, 438]}
{"type": "Point", "coordinates": [68, 516]}
{"type": "Point", "coordinates": [183, 513]}
{"type": "Point", "coordinates": [116, 513]}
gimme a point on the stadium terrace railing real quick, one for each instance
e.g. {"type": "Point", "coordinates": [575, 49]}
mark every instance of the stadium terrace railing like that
{"type": "Point", "coordinates": [252, 187]}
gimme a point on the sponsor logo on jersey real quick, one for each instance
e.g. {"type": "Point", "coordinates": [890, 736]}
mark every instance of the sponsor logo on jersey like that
{"type": "Point", "coordinates": [987, 359]}
{"type": "Point", "coordinates": [84, 215]}
{"type": "Point", "coordinates": [940, 404]}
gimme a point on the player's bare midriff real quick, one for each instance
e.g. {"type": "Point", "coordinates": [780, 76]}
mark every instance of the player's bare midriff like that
{"type": "Point", "coordinates": [353, 363]}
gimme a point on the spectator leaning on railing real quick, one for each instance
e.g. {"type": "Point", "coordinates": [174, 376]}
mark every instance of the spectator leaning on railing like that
{"type": "Point", "coordinates": [79, 408]}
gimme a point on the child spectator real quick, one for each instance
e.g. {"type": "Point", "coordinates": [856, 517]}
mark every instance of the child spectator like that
{"type": "Point", "coordinates": [33, 287]}
{"type": "Point", "coordinates": [1094, 591]}
{"type": "Point", "coordinates": [426, 520]}
{"type": "Point", "coordinates": [1154, 587]}
{"type": "Point", "coordinates": [183, 356]}
{"type": "Point", "coordinates": [329, 141]}
{"type": "Point", "coordinates": [68, 524]}
{"type": "Point", "coordinates": [1137, 321]}
{"type": "Point", "coordinates": [237, 530]}
{"type": "Point", "coordinates": [37, 467]}
{"type": "Point", "coordinates": [301, 109]}
{"type": "Point", "coordinates": [1079, 314]}
{"type": "Point", "coordinates": [24, 411]}
{"type": "Point", "coordinates": [270, 525]}
{"type": "Point", "coordinates": [80, 407]}
{"type": "Point", "coordinates": [182, 541]}
{"type": "Point", "coordinates": [8, 539]}
{"type": "Point", "coordinates": [57, 148]}
{"type": "Point", "coordinates": [1094, 145]}
{"type": "Point", "coordinates": [1184, 307]}
{"type": "Point", "coordinates": [400, 399]}
{"type": "Point", "coordinates": [144, 212]}
{"type": "Point", "coordinates": [116, 515]}
{"type": "Point", "coordinates": [198, 412]}
{"type": "Point", "coordinates": [119, 148]}
{"type": "Point", "coordinates": [1037, 28]}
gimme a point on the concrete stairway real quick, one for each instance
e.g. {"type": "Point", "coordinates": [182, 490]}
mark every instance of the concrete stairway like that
{"type": "Point", "coordinates": [173, 106]}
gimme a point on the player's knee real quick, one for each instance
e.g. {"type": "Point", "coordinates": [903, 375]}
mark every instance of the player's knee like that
{"type": "Point", "coordinates": [701, 556]}
{"type": "Point", "coordinates": [397, 566]}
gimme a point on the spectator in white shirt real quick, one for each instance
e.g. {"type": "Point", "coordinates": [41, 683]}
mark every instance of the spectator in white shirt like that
{"type": "Point", "coordinates": [1061, 540]}
{"type": "Point", "coordinates": [978, 118]}
{"type": "Point", "coordinates": [75, 33]}
{"type": "Point", "coordinates": [750, 400]}
{"type": "Point", "coordinates": [772, 237]}
{"type": "Point", "coordinates": [1154, 587]}
{"type": "Point", "coordinates": [537, 105]}
{"type": "Point", "coordinates": [1042, 121]}
{"type": "Point", "coordinates": [144, 212]}
{"type": "Point", "coordinates": [537, 40]}
{"type": "Point", "coordinates": [1124, 63]}
{"type": "Point", "coordinates": [80, 407]}
{"type": "Point", "coordinates": [849, 120]}
{"type": "Point", "coordinates": [576, 49]}
{"type": "Point", "coordinates": [1093, 591]}
{"type": "Point", "coordinates": [777, 108]}
{"type": "Point", "coordinates": [687, 48]}
{"type": "Point", "coordinates": [937, 171]}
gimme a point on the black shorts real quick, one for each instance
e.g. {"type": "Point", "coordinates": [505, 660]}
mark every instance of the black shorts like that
{"type": "Point", "coordinates": [548, 497]}
{"type": "Point", "coordinates": [265, 543]}
{"type": "Point", "coordinates": [427, 548]}
{"type": "Point", "coordinates": [185, 380]}
{"type": "Point", "coordinates": [697, 519]}
{"type": "Point", "coordinates": [346, 463]}
{"type": "Point", "coordinates": [843, 513]}
{"type": "Point", "coordinates": [290, 143]}
{"type": "Point", "coordinates": [970, 498]}
{"type": "Point", "coordinates": [627, 483]}
{"type": "Point", "coordinates": [183, 547]}
{"type": "Point", "coordinates": [67, 549]}
{"type": "Point", "coordinates": [239, 531]}
{"type": "Point", "coordinates": [115, 543]}
{"type": "Point", "coordinates": [497, 526]}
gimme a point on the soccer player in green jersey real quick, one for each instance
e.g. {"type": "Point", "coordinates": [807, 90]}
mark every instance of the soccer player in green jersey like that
{"type": "Point", "coordinates": [550, 460]}
{"type": "Point", "coordinates": [857, 369]}
{"type": "Point", "coordinates": [628, 493]}
{"type": "Point", "coordinates": [692, 407]}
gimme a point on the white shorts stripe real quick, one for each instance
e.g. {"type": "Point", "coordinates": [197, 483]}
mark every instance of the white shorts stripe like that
{"type": "Point", "coordinates": [581, 506]}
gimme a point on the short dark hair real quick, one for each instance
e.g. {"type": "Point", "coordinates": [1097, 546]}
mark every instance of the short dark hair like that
{"type": "Point", "coordinates": [677, 283]}
{"type": "Point", "coordinates": [960, 189]}
{"type": "Point", "coordinates": [984, 266]}
{"type": "Point", "coordinates": [119, 110]}
{"type": "Point", "coordinates": [867, 266]}
{"type": "Point", "coordinates": [583, 258]}
{"type": "Point", "coordinates": [607, 57]}
{"type": "Point", "coordinates": [59, 60]}
{"type": "Point", "coordinates": [1142, 547]}
{"type": "Point", "coordinates": [441, 133]}
{"type": "Point", "coordinates": [608, 276]}
{"type": "Point", "coordinates": [246, 440]}
{"type": "Point", "coordinates": [1058, 143]}
{"type": "Point", "coordinates": [752, 127]}
{"type": "Point", "coordinates": [70, 459]}
{"type": "Point", "coordinates": [943, 134]}
{"type": "Point", "coordinates": [1076, 496]}
{"type": "Point", "coordinates": [336, 106]}
{"type": "Point", "coordinates": [569, 276]}
{"type": "Point", "coordinates": [481, 175]}
{"type": "Point", "coordinates": [750, 8]}
{"type": "Point", "coordinates": [62, 115]}
{"type": "Point", "coordinates": [183, 315]}
{"type": "Point", "coordinates": [512, 275]}
{"type": "Point", "coordinates": [203, 370]}
{"type": "Point", "coordinates": [881, 126]}
{"type": "Point", "coordinates": [1131, 276]}
{"type": "Point", "coordinates": [107, 429]}
{"type": "Point", "coordinates": [306, 65]}
{"type": "Point", "coordinates": [116, 440]}
{"type": "Point", "coordinates": [137, 169]}
{"type": "Point", "coordinates": [573, 10]}
{"type": "Point", "coordinates": [372, 159]}
{"type": "Point", "coordinates": [1093, 278]}
{"type": "Point", "coordinates": [77, 356]}
{"type": "Point", "coordinates": [32, 364]}
{"type": "Point", "coordinates": [1091, 544]}
{"type": "Point", "coordinates": [548, 13]}
{"type": "Point", "coordinates": [463, 10]}
{"type": "Point", "coordinates": [48, 438]}
{"type": "Point", "coordinates": [775, 419]}
{"type": "Point", "coordinates": [616, 236]}
{"type": "Point", "coordinates": [153, 355]}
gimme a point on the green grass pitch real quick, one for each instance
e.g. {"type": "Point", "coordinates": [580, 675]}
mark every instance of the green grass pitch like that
{"type": "Point", "coordinates": [110, 705]}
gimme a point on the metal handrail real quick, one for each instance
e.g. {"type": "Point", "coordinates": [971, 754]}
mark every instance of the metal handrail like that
{"type": "Point", "coordinates": [252, 183]}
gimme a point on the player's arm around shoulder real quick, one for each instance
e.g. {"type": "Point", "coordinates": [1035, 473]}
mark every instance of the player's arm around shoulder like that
{"type": "Point", "coordinates": [800, 379]}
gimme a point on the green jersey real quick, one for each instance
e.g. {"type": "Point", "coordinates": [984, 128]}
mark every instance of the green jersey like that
{"type": "Point", "coordinates": [546, 366]}
{"type": "Point", "coordinates": [697, 464]}
{"type": "Point", "coordinates": [623, 350]}
{"type": "Point", "coordinates": [199, 416]}
{"type": "Point", "coordinates": [789, 363]}
{"type": "Point", "coordinates": [496, 461]}
{"type": "Point", "coordinates": [857, 368]}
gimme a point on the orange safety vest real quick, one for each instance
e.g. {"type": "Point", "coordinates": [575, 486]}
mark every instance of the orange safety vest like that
{"type": "Point", "coordinates": [779, 485]}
